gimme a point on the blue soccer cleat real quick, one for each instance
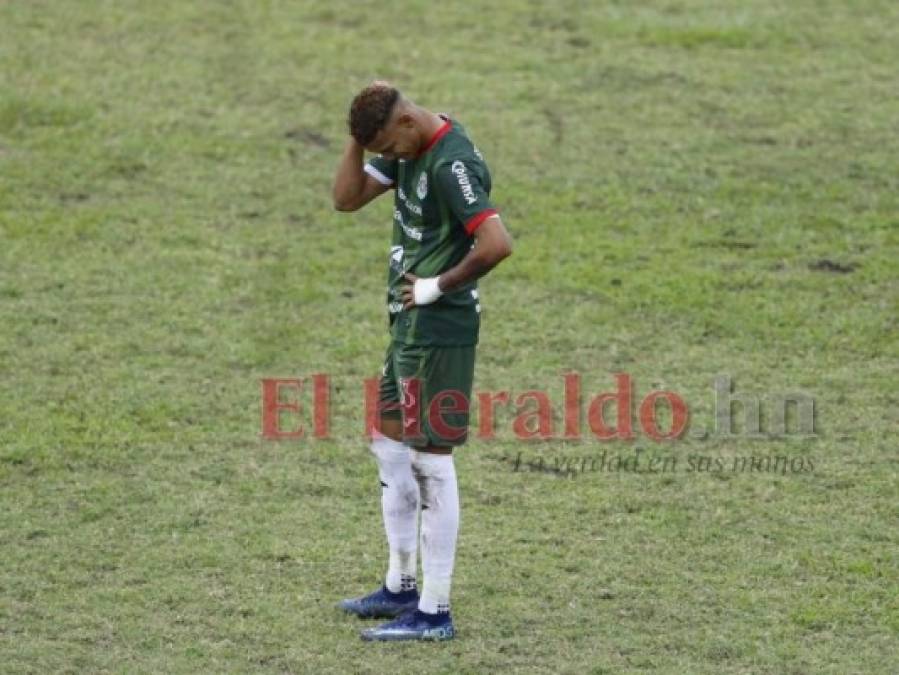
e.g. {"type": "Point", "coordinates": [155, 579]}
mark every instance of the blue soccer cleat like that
{"type": "Point", "coordinates": [381, 604]}
{"type": "Point", "coordinates": [413, 625]}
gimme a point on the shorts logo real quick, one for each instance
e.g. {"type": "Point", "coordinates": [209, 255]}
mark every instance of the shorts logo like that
{"type": "Point", "coordinates": [409, 401]}
{"type": "Point", "coordinates": [408, 392]}
{"type": "Point", "coordinates": [422, 188]}
{"type": "Point", "coordinates": [458, 169]}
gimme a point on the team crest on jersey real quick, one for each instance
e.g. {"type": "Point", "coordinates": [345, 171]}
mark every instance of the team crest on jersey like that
{"type": "Point", "coordinates": [422, 188]}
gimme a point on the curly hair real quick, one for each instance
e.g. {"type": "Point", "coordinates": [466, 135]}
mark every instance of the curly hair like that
{"type": "Point", "coordinates": [370, 111]}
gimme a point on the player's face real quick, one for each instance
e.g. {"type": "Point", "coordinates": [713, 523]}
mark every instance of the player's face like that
{"type": "Point", "coordinates": [397, 140]}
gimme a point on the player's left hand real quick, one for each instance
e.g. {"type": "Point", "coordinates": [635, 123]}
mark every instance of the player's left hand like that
{"type": "Point", "coordinates": [421, 291]}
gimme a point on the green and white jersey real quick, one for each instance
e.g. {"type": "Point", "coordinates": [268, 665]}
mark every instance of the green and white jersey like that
{"type": "Point", "coordinates": [442, 196]}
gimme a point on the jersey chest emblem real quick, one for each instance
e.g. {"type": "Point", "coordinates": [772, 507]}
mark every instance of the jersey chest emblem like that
{"type": "Point", "coordinates": [422, 188]}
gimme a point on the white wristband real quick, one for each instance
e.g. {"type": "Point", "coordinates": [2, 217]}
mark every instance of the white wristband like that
{"type": "Point", "coordinates": [426, 291]}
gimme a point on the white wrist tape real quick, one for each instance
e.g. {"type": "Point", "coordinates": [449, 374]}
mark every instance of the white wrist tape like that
{"type": "Point", "coordinates": [426, 291]}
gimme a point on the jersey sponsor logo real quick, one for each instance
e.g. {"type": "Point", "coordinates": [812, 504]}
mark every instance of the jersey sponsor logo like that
{"type": "Point", "coordinates": [411, 232]}
{"type": "Point", "coordinates": [458, 169]}
{"type": "Point", "coordinates": [422, 189]}
{"type": "Point", "coordinates": [396, 257]}
{"type": "Point", "coordinates": [414, 208]}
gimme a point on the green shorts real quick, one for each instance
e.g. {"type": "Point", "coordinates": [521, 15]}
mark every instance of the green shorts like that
{"type": "Point", "coordinates": [429, 388]}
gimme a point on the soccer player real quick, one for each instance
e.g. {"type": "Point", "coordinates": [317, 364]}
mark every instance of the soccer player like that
{"type": "Point", "coordinates": [446, 234]}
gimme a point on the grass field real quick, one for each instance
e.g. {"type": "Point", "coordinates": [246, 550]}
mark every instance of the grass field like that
{"type": "Point", "coordinates": [696, 189]}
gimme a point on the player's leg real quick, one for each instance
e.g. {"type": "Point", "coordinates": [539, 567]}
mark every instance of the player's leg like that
{"type": "Point", "coordinates": [444, 375]}
{"type": "Point", "coordinates": [399, 506]}
{"type": "Point", "coordinates": [446, 392]}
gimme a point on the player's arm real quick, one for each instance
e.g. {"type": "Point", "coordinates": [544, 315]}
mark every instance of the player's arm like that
{"type": "Point", "coordinates": [459, 185]}
{"type": "Point", "coordinates": [353, 186]}
{"type": "Point", "coordinates": [493, 244]}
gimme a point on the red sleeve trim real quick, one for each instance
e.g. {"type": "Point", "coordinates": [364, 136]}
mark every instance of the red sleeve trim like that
{"type": "Point", "coordinates": [475, 222]}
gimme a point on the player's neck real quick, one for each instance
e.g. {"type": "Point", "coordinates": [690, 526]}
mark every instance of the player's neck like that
{"type": "Point", "coordinates": [429, 124]}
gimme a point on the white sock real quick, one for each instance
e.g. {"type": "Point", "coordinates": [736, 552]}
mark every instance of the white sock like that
{"type": "Point", "coordinates": [399, 504]}
{"type": "Point", "coordinates": [436, 476]}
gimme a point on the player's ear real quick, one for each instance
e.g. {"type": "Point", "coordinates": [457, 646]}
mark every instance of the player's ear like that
{"type": "Point", "coordinates": [405, 120]}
